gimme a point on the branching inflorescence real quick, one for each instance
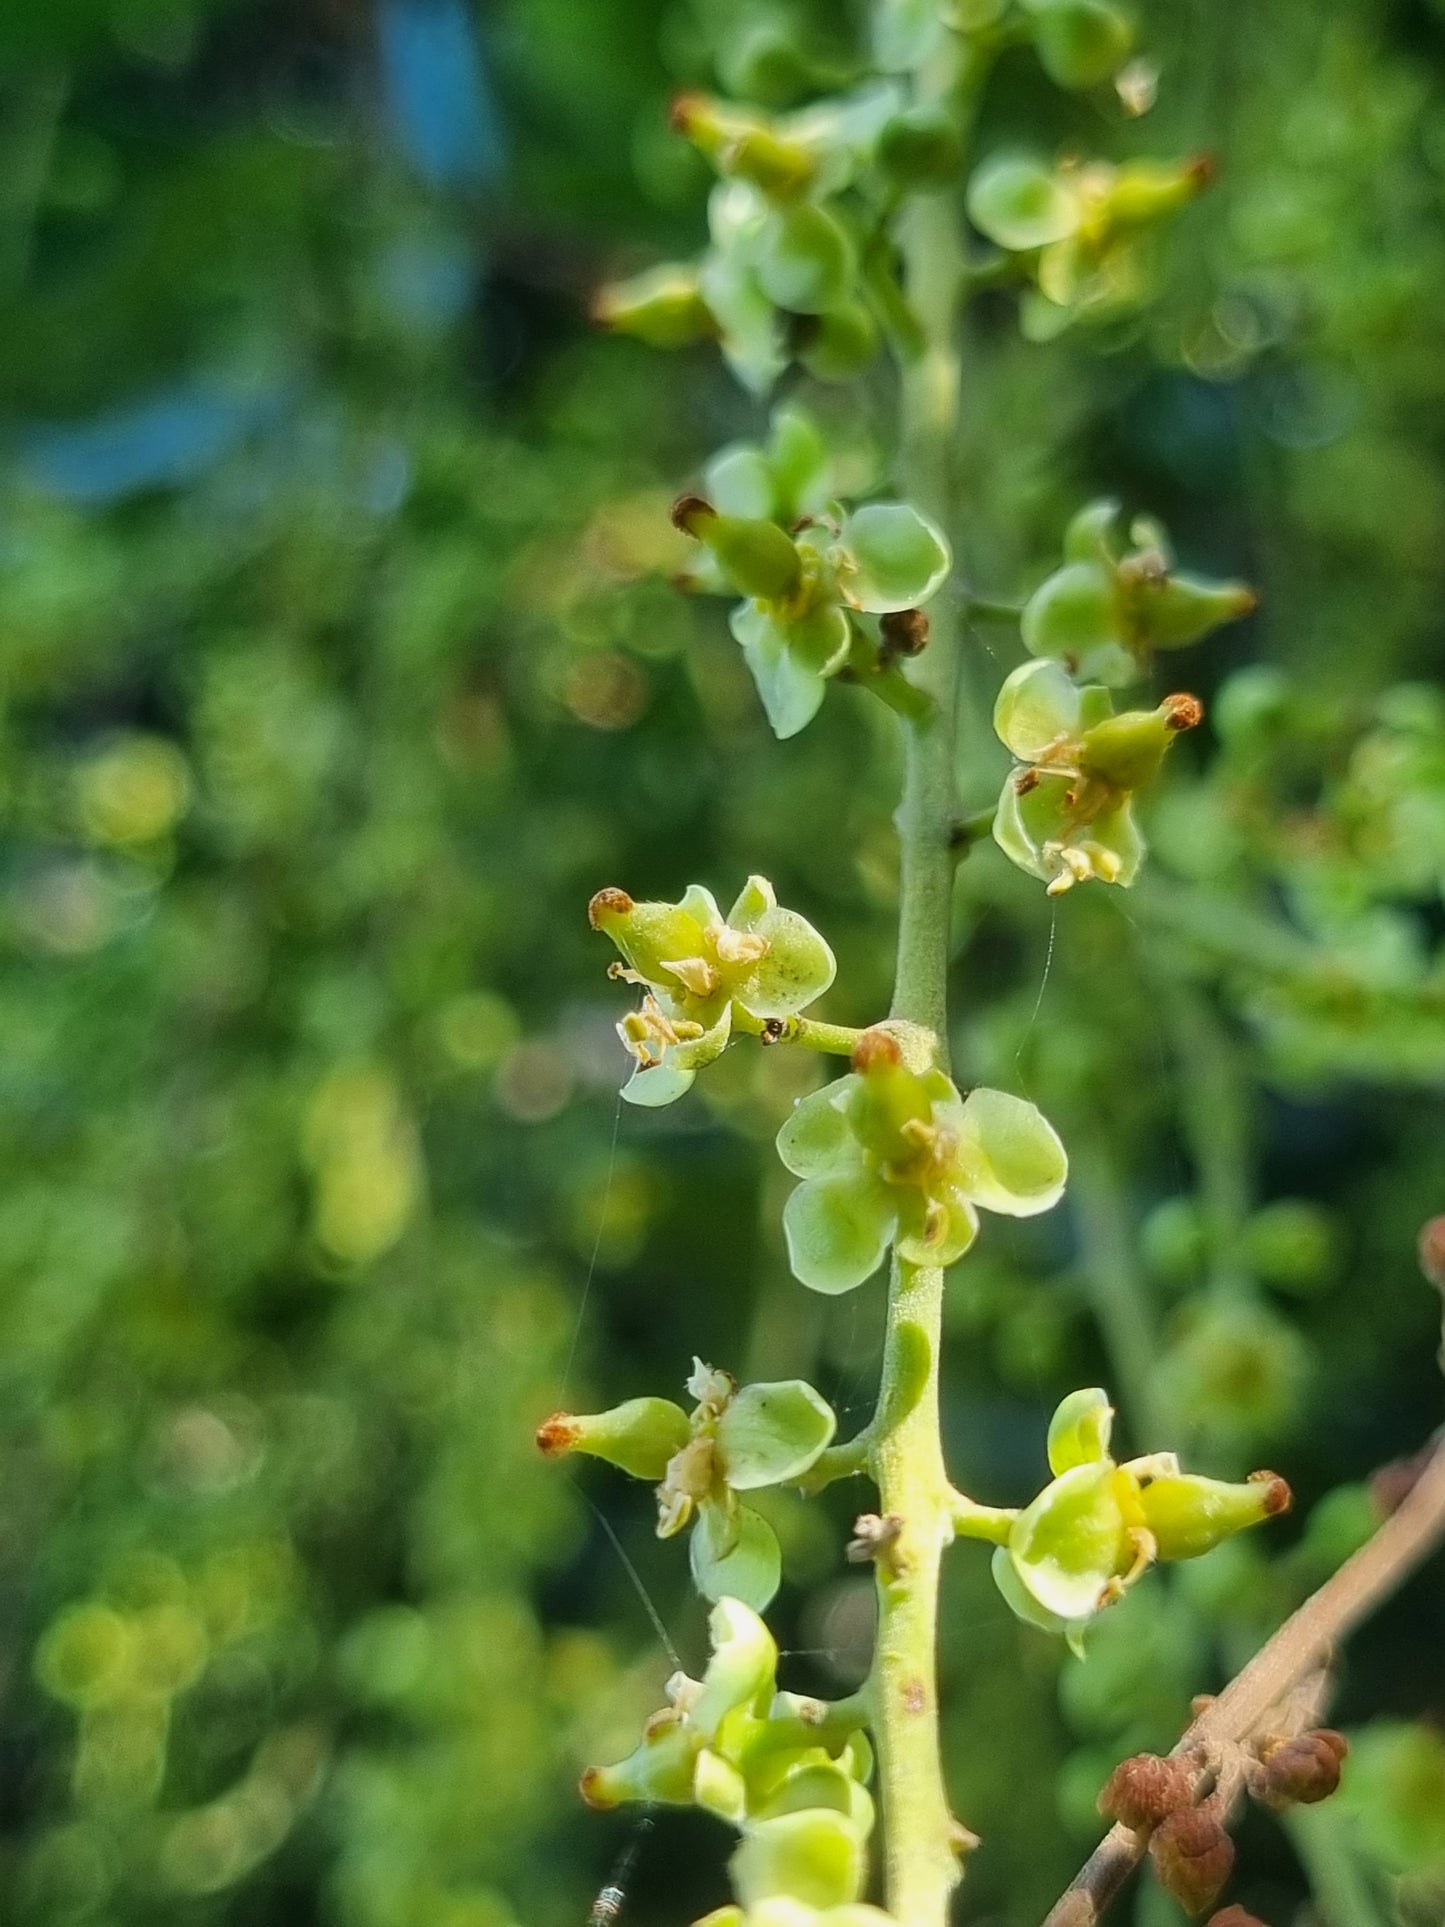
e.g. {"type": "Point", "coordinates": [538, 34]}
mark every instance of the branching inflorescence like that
{"type": "Point", "coordinates": [854, 226]}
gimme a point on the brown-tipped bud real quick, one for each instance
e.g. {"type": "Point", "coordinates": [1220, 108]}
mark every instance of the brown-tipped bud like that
{"type": "Point", "coordinates": [686, 111]}
{"type": "Point", "coordinates": [1276, 1496]}
{"type": "Point", "coordinates": [1235, 1916]}
{"type": "Point", "coordinates": [1300, 1771]}
{"type": "Point", "coordinates": [689, 511]}
{"type": "Point", "coordinates": [1193, 1857]}
{"type": "Point", "coordinates": [1432, 1251]}
{"type": "Point", "coordinates": [1182, 712]}
{"type": "Point", "coordinates": [608, 903]}
{"type": "Point", "coordinates": [557, 1435]}
{"type": "Point", "coordinates": [874, 1049]}
{"type": "Point", "coordinates": [904, 632]}
{"type": "Point", "coordinates": [1144, 1790]}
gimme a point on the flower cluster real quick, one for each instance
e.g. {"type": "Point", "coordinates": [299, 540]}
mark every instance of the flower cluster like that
{"type": "Point", "coordinates": [1099, 1525]}
{"type": "Point", "coordinates": [890, 1155]}
{"type": "Point", "coordinates": [1067, 814]}
{"type": "Point", "coordinates": [1078, 229]}
{"type": "Point", "coordinates": [733, 1441]}
{"type": "Point", "coordinates": [698, 970]}
{"type": "Point", "coordinates": [808, 588]}
{"type": "Point", "coordinates": [789, 1773]}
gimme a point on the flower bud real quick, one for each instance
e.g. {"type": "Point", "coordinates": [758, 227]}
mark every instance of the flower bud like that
{"type": "Point", "coordinates": [744, 145]}
{"type": "Point", "coordinates": [904, 632]}
{"type": "Point", "coordinates": [1127, 751]}
{"type": "Point", "coordinates": [1080, 1430]}
{"type": "Point", "coordinates": [639, 1436]}
{"type": "Point", "coordinates": [663, 307]}
{"type": "Point", "coordinates": [1301, 1770]}
{"type": "Point", "coordinates": [1172, 610]}
{"type": "Point", "coordinates": [649, 935]}
{"type": "Point", "coordinates": [836, 345]}
{"type": "Point", "coordinates": [1144, 1790]}
{"type": "Point", "coordinates": [660, 1769]}
{"type": "Point", "coordinates": [1143, 192]}
{"type": "Point", "coordinates": [920, 147]}
{"type": "Point", "coordinates": [1081, 42]}
{"type": "Point", "coordinates": [1189, 1515]}
{"type": "Point", "coordinates": [756, 556]}
{"type": "Point", "coordinates": [1290, 1244]}
{"type": "Point", "coordinates": [1193, 1857]}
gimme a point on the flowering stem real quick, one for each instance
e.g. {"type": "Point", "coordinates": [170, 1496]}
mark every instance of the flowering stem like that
{"type": "Point", "coordinates": [839, 1040]}
{"type": "Point", "coordinates": [907, 1458]}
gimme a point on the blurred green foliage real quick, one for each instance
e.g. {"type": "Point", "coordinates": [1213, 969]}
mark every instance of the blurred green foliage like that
{"type": "Point", "coordinates": [339, 669]}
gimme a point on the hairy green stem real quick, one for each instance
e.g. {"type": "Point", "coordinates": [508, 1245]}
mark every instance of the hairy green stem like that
{"type": "Point", "coordinates": [921, 1857]}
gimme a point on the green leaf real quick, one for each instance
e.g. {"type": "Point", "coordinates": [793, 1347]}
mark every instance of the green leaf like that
{"type": "Point", "coordinates": [838, 1230]}
{"type": "Point", "coordinates": [735, 1557]}
{"type": "Point", "coordinates": [1037, 708]}
{"type": "Point", "coordinates": [814, 1857]}
{"type": "Point", "coordinates": [1070, 1542]}
{"type": "Point", "coordinates": [1010, 1155]}
{"type": "Point", "coordinates": [773, 1432]}
{"type": "Point", "coordinates": [1020, 204]}
{"type": "Point", "coordinates": [895, 558]}
{"type": "Point", "coordinates": [1080, 1429]}
{"type": "Point", "coordinates": [816, 1141]}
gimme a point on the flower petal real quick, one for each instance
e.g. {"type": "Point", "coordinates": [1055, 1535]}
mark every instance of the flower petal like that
{"type": "Point", "coordinates": [771, 1433]}
{"type": "Point", "coordinates": [1020, 204]}
{"type": "Point", "coordinates": [653, 1085]}
{"type": "Point", "coordinates": [838, 1230]}
{"type": "Point", "coordinates": [791, 692]}
{"type": "Point", "coordinates": [1080, 1429]}
{"type": "Point", "coordinates": [1068, 1545]}
{"type": "Point", "coordinates": [1038, 707]}
{"type": "Point", "coordinates": [1073, 611]}
{"type": "Point", "coordinates": [739, 481]}
{"type": "Point", "coordinates": [895, 558]}
{"type": "Point", "coordinates": [1010, 1158]}
{"type": "Point", "coordinates": [816, 1141]}
{"type": "Point", "coordinates": [796, 969]}
{"type": "Point", "coordinates": [815, 1857]}
{"type": "Point", "coordinates": [736, 1558]}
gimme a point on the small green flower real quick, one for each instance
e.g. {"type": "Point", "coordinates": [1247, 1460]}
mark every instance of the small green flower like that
{"type": "Point", "coordinates": [695, 967]}
{"type": "Point", "coordinates": [733, 1441]}
{"type": "Point", "coordinates": [1080, 42]}
{"type": "Point", "coordinates": [790, 1774]}
{"type": "Point", "coordinates": [1079, 226]}
{"type": "Point", "coordinates": [1105, 613]}
{"type": "Point", "coordinates": [1067, 815]}
{"type": "Point", "coordinates": [889, 1155]}
{"type": "Point", "coordinates": [1099, 1526]}
{"type": "Point", "coordinates": [806, 590]}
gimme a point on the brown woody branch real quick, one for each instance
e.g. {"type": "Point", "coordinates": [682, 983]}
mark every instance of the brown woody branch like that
{"type": "Point", "coordinates": [1301, 1646]}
